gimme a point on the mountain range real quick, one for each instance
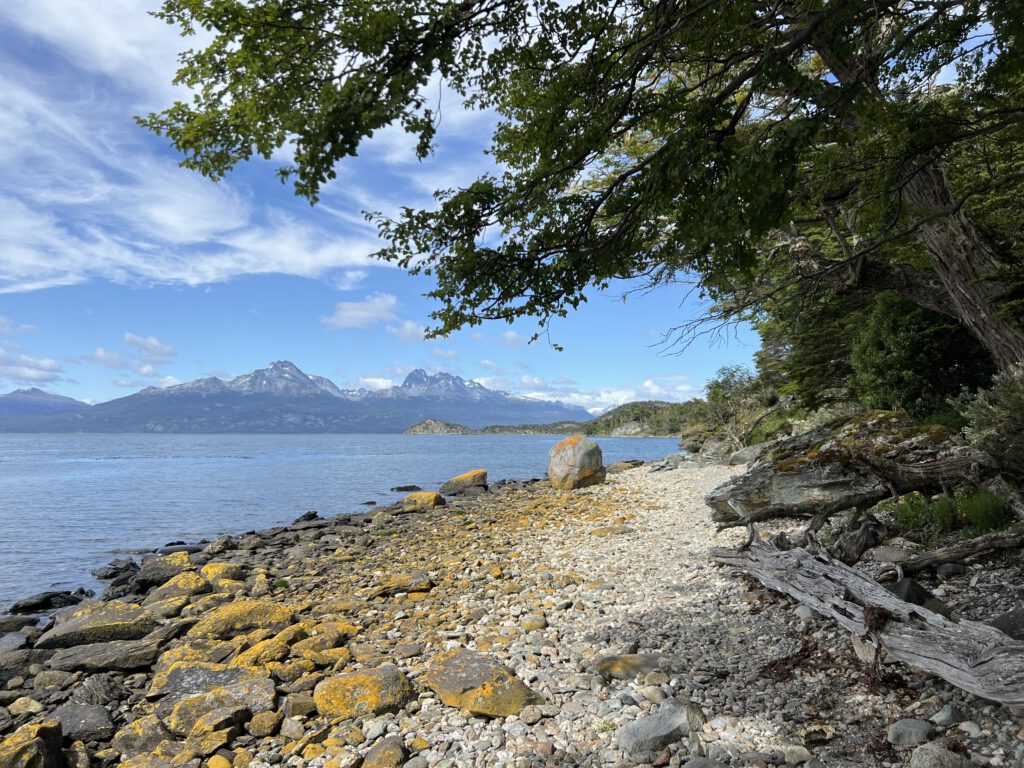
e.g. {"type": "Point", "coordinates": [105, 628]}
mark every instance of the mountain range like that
{"type": "Point", "coordinates": [281, 399]}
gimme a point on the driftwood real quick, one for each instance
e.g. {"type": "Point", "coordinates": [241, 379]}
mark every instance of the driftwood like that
{"type": "Point", "coordinates": [970, 655]}
{"type": "Point", "coordinates": [982, 545]}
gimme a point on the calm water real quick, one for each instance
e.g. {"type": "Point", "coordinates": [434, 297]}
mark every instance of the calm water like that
{"type": "Point", "coordinates": [67, 502]}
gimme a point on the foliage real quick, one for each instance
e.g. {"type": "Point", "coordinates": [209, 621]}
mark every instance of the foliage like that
{"type": "Point", "coordinates": [654, 417]}
{"type": "Point", "coordinates": [907, 358]}
{"type": "Point", "coordinates": [996, 417]}
{"type": "Point", "coordinates": [974, 511]}
{"type": "Point", "coordinates": [749, 147]}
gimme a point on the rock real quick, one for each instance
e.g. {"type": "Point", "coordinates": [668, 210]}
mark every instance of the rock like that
{"type": "Point", "coordinates": [623, 466]}
{"type": "Point", "coordinates": [140, 736]}
{"type": "Point", "coordinates": [971, 728]}
{"type": "Point", "coordinates": [241, 616]}
{"type": "Point", "coordinates": [218, 761]}
{"type": "Point", "coordinates": [889, 554]}
{"type": "Point", "coordinates": [806, 613]}
{"type": "Point", "coordinates": [531, 715]}
{"type": "Point", "coordinates": [701, 762]}
{"type": "Point", "coordinates": [52, 679]}
{"type": "Point", "coordinates": [412, 581]}
{"type": "Point", "coordinates": [406, 489]}
{"type": "Point", "coordinates": [115, 568]}
{"type": "Point", "coordinates": [1011, 623]}
{"type": "Point", "coordinates": [368, 692]}
{"type": "Point", "coordinates": [191, 690]}
{"type": "Point", "coordinates": [99, 689]}
{"type": "Point", "coordinates": [25, 706]}
{"type": "Point", "coordinates": [97, 622]}
{"type": "Point", "coordinates": [949, 570]}
{"type": "Point", "coordinates": [14, 623]}
{"type": "Point", "coordinates": [13, 641]}
{"type": "Point", "coordinates": [626, 666]}
{"type": "Point", "coordinates": [36, 745]}
{"type": "Point", "coordinates": [533, 622]}
{"type": "Point", "coordinates": [265, 724]}
{"type": "Point", "coordinates": [185, 584]}
{"type": "Point", "coordinates": [747, 455]}
{"type": "Point", "coordinates": [478, 684]}
{"type": "Point", "coordinates": [794, 754]}
{"type": "Point", "coordinates": [909, 732]}
{"type": "Point", "coordinates": [612, 530]}
{"type": "Point", "coordinates": [935, 755]}
{"type": "Point", "coordinates": [117, 655]}
{"type": "Point", "coordinates": [421, 500]}
{"type": "Point", "coordinates": [386, 753]}
{"type": "Point", "coordinates": [672, 721]}
{"type": "Point", "coordinates": [46, 601]}
{"type": "Point", "coordinates": [158, 570]}
{"type": "Point", "coordinates": [946, 716]}
{"type": "Point", "coordinates": [216, 572]}
{"type": "Point", "coordinates": [88, 722]}
{"type": "Point", "coordinates": [575, 462]}
{"type": "Point", "coordinates": [475, 478]}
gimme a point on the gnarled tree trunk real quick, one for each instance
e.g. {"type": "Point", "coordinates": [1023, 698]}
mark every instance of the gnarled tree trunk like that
{"type": "Point", "coordinates": [964, 262]}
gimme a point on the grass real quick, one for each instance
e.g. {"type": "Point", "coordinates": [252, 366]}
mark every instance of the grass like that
{"type": "Point", "coordinates": [972, 511]}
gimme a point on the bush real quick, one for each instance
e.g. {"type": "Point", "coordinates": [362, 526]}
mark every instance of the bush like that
{"type": "Point", "coordinates": [973, 510]}
{"type": "Point", "coordinates": [908, 358]}
{"type": "Point", "coordinates": [982, 511]}
{"type": "Point", "coordinates": [996, 420]}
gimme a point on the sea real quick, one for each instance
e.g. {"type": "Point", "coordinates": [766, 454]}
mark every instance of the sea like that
{"type": "Point", "coordinates": [70, 503]}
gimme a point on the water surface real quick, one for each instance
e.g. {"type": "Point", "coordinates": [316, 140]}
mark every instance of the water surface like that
{"type": "Point", "coordinates": [69, 502]}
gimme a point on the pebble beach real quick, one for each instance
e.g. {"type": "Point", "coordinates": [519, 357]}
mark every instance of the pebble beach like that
{"type": "Point", "coordinates": [523, 627]}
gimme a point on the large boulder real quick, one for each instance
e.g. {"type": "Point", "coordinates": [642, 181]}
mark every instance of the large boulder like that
{"type": "Point", "coordinates": [576, 462]}
{"type": "Point", "coordinates": [368, 692]}
{"type": "Point", "coordinates": [96, 622]}
{"type": "Point", "coordinates": [241, 616]}
{"type": "Point", "coordinates": [85, 722]}
{"type": "Point", "coordinates": [190, 692]}
{"type": "Point", "coordinates": [478, 684]}
{"type": "Point", "coordinates": [467, 484]}
{"type": "Point", "coordinates": [117, 655]}
{"type": "Point", "coordinates": [421, 501]}
{"type": "Point", "coordinates": [849, 462]}
{"type": "Point", "coordinates": [673, 721]}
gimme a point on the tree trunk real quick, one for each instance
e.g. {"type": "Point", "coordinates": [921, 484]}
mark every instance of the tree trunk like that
{"type": "Point", "coordinates": [964, 262]}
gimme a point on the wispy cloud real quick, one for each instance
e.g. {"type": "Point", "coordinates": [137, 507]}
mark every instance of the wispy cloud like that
{"type": "Point", "coordinates": [512, 339]}
{"type": "Point", "coordinates": [150, 347]}
{"type": "Point", "coordinates": [444, 354]}
{"type": "Point", "coordinates": [374, 309]}
{"type": "Point", "coordinates": [407, 330]}
{"type": "Point", "coordinates": [28, 370]}
{"type": "Point", "coordinates": [8, 327]}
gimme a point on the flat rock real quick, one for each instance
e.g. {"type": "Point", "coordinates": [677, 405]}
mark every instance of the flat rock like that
{"type": "Point", "coordinates": [421, 500]}
{"type": "Point", "coordinates": [412, 581]}
{"type": "Point", "coordinates": [478, 684]}
{"type": "Point", "coordinates": [14, 623]}
{"type": "Point", "coordinates": [241, 616]}
{"type": "Point", "coordinates": [368, 692]}
{"type": "Point", "coordinates": [626, 666]}
{"type": "Point", "coordinates": [46, 601]}
{"type": "Point", "coordinates": [85, 722]}
{"type": "Point", "coordinates": [475, 478]}
{"type": "Point", "coordinates": [140, 736]}
{"type": "Point", "coordinates": [386, 753]}
{"type": "Point", "coordinates": [158, 570]}
{"type": "Point", "coordinates": [97, 622]}
{"type": "Point", "coordinates": [673, 721]}
{"type": "Point", "coordinates": [117, 655]}
{"type": "Point", "coordinates": [909, 732]}
{"type": "Point", "coordinates": [191, 691]}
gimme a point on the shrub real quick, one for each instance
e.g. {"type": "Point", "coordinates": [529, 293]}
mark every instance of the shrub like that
{"type": "Point", "coordinates": [996, 420]}
{"type": "Point", "coordinates": [975, 510]}
{"type": "Point", "coordinates": [982, 510]}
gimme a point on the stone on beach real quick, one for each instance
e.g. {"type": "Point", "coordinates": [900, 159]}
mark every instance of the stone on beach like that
{"type": "Point", "coordinates": [96, 622]}
{"type": "Point", "coordinates": [673, 721]}
{"type": "Point", "coordinates": [468, 483]}
{"type": "Point", "coordinates": [478, 684]}
{"type": "Point", "coordinates": [422, 500]}
{"type": "Point", "coordinates": [36, 745]}
{"type": "Point", "coordinates": [369, 692]}
{"type": "Point", "coordinates": [119, 655]}
{"type": "Point", "coordinates": [575, 462]}
{"type": "Point", "coordinates": [241, 616]}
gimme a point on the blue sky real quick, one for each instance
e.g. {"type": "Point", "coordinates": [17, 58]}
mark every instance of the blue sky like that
{"type": "Point", "coordinates": [120, 270]}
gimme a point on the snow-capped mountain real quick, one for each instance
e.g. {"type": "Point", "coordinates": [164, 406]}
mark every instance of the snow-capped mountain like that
{"type": "Point", "coordinates": [35, 401]}
{"type": "Point", "coordinates": [282, 398]}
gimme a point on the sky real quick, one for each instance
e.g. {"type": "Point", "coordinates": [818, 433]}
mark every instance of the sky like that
{"type": "Point", "coordinates": [120, 270]}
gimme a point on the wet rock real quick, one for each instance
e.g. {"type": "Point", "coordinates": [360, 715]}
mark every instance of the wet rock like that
{"type": "Point", "coordinates": [475, 478]}
{"type": "Point", "coordinates": [406, 489]}
{"type": "Point", "coordinates": [15, 623]}
{"type": "Point", "coordinates": [368, 692]}
{"type": "Point", "coordinates": [97, 622]}
{"type": "Point", "coordinates": [575, 462]}
{"type": "Point", "coordinates": [478, 684]}
{"type": "Point", "coordinates": [36, 745]}
{"type": "Point", "coordinates": [115, 568]}
{"type": "Point", "coordinates": [672, 721]}
{"type": "Point", "coordinates": [88, 722]}
{"type": "Point", "coordinates": [46, 601]}
{"type": "Point", "coordinates": [909, 732]}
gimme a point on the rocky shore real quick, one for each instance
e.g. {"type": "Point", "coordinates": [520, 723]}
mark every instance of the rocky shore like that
{"type": "Point", "coordinates": [521, 626]}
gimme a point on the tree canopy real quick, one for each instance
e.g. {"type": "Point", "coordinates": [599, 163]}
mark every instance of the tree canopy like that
{"type": "Point", "coordinates": [832, 144]}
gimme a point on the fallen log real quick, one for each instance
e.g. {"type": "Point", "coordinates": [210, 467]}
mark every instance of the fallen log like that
{"type": "Point", "coordinates": [973, 656]}
{"type": "Point", "coordinates": [982, 545]}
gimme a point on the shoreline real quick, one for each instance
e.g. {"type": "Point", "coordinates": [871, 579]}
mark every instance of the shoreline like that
{"type": "Point", "coordinates": [600, 602]}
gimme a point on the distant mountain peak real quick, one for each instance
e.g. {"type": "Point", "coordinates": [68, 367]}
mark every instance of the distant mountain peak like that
{"type": "Point", "coordinates": [283, 377]}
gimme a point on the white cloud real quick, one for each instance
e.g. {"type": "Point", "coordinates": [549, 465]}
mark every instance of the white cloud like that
{"type": "Point", "coordinates": [375, 382]}
{"type": "Point", "coordinates": [374, 309]}
{"type": "Point", "coordinates": [653, 389]}
{"type": "Point", "coordinates": [109, 359]}
{"type": "Point", "coordinates": [511, 339]}
{"type": "Point", "coordinates": [8, 327]}
{"type": "Point", "coordinates": [533, 381]}
{"type": "Point", "coordinates": [444, 354]}
{"type": "Point", "coordinates": [28, 370]}
{"type": "Point", "coordinates": [168, 381]}
{"type": "Point", "coordinates": [150, 346]}
{"type": "Point", "coordinates": [349, 280]}
{"type": "Point", "coordinates": [495, 382]}
{"type": "Point", "coordinates": [408, 330]}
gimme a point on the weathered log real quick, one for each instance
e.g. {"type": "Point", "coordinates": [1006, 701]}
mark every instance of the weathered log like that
{"type": "Point", "coordinates": [982, 545]}
{"type": "Point", "coordinates": [973, 656]}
